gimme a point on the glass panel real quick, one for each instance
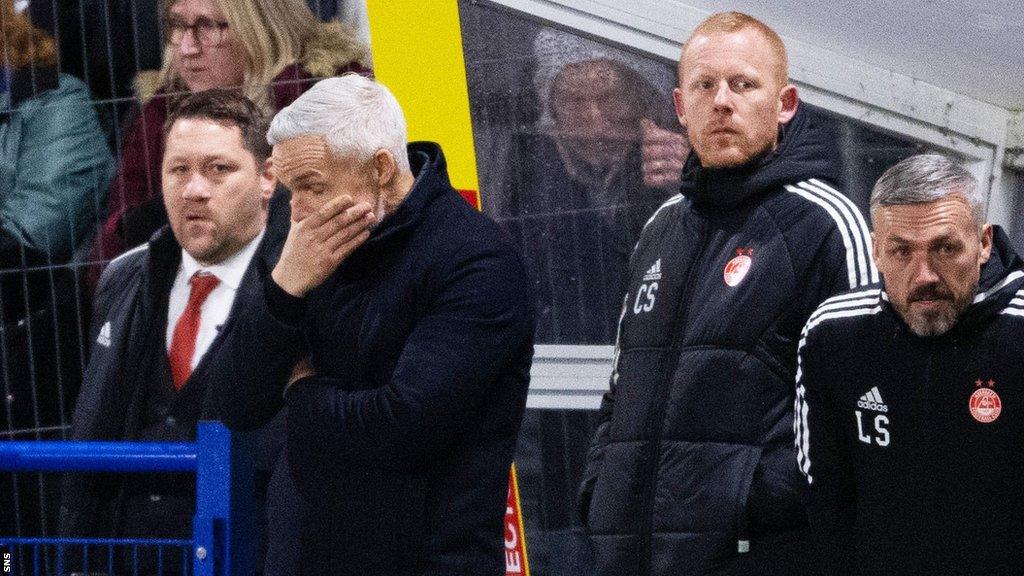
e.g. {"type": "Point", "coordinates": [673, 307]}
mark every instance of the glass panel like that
{"type": "Point", "coordinates": [867, 152]}
{"type": "Point", "coordinates": [1014, 182]}
{"type": "Point", "coordinates": [559, 121]}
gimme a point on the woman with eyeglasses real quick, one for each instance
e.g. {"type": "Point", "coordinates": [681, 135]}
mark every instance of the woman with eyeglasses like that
{"type": "Point", "coordinates": [272, 50]}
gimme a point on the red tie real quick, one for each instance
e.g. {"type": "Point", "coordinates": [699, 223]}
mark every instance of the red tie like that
{"type": "Point", "coordinates": [183, 343]}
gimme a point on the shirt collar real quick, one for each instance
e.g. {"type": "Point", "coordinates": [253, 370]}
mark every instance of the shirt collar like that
{"type": "Point", "coordinates": [230, 271]}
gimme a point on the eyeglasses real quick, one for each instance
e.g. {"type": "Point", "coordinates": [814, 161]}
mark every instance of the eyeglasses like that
{"type": "Point", "coordinates": [206, 32]}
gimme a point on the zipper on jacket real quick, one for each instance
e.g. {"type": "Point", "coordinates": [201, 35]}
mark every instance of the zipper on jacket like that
{"type": "Point", "coordinates": [656, 414]}
{"type": "Point", "coordinates": [932, 452]}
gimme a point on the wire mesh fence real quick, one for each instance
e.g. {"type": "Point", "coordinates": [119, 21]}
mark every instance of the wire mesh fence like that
{"type": "Point", "coordinates": [80, 145]}
{"type": "Point", "coordinates": [96, 556]}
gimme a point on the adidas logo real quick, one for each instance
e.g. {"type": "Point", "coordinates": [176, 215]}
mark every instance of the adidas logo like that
{"type": "Point", "coordinates": [104, 337]}
{"type": "Point", "coordinates": [654, 273]}
{"type": "Point", "coordinates": [872, 400]}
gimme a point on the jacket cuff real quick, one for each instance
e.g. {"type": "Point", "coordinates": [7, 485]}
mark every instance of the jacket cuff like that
{"type": "Point", "coordinates": [285, 308]}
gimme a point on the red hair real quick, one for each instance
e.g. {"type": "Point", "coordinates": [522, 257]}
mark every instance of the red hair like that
{"type": "Point", "coordinates": [731, 22]}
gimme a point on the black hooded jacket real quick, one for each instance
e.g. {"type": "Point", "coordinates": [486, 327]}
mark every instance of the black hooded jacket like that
{"type": "Point", "coordinates": [693, 458]}
{"type": "Point", "coordinates": [912, 446]}
{"type": "Point", "coordinates": [400, 445]}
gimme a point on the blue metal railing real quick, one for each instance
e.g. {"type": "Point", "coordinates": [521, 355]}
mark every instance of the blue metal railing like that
{"type": "Point", "coordinates": [221, 543]}
{"type": "Point", "coordinates": [57, 456]}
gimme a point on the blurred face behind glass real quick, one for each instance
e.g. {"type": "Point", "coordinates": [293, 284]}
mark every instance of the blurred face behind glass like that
{"type": "Point", "coordinates": [593, 112]}
{"type": "Point", "coordinates": [930, 257]}
{"type": "Point", "coordinates": [215, 192]}
{"type": "Point", "coordinates": [315, 174]}
{"type": "Point", "coordinates": [206, 53]}
{"type": "Point", "coordinates": [729, 98]}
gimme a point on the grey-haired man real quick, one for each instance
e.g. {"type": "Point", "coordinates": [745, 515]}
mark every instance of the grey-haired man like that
{"type": "Point", "coordinates": [402, 315]}
{"type": "Point", "coordinates": [908, 421]}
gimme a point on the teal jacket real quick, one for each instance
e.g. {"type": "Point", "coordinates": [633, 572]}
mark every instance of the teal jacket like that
{"type": "Point", "coordinates": [55, 167]}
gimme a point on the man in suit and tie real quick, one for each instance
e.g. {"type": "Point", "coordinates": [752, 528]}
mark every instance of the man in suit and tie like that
{"type": "Point", "coordinates": [161, 311]}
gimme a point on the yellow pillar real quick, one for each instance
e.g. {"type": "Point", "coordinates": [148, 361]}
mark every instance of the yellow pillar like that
{"type": "Point", "coordinates": [417, 53]}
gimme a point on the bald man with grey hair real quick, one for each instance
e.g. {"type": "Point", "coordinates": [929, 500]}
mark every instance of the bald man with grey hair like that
{"type": "Point", "coordinates": [401, 321]}
{"type": "Point", "coordinates": [908, 425]}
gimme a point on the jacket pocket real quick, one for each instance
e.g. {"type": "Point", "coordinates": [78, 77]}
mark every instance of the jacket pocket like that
{"type": "Point", "coordinates": [618, 489]}
{"type": "Point", "coordinates": [775, 503]}
{"type": "Point", "coordinates": [370, 521]}
{"type": "Point", "coordinates": [742, 499]}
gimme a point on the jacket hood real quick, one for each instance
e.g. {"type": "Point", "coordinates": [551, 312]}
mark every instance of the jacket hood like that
{"type": "Point", "coordinates": [1000, 279]}
{"type": "Point", "coordinates": [428, 165]}
{"type": "Point", "coordinates": [333, 47]}
{"type": "Point", "coordinates": [806, 149]}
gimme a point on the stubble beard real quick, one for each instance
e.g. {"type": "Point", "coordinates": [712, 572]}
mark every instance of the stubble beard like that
{"type": "Point", "coordinates": [927, 324]}
{"type": "Point", "coordinates": [716, 160]}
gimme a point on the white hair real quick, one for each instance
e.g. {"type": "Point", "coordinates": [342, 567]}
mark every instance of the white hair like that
{"type": "Point", "coordinates": [357, 116]}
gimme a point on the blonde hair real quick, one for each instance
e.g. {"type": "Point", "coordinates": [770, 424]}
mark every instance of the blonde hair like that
{"type": "Point", "coordinates": [21, 43]}
{"type": "Point", "coordinates": [273, 35]}
{"type": "Point", "coordinates": [731, 22]}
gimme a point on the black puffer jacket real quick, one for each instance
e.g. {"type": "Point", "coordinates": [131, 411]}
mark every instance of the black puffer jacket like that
{"type": "Point", "coordinates": [693, 459]}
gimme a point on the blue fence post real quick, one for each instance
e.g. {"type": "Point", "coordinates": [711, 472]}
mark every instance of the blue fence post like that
{"type": "Point", "coordinates": [223, 526]}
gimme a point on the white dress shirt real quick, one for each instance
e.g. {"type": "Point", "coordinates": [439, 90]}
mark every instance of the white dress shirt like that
{"type": "Point", "coordinates": [217, 306]}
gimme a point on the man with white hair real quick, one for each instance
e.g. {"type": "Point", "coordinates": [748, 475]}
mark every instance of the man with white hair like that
{"type": "Point", "coordinates": [405, 322]}
{"type": "Point", "coordinates": [908, 423]}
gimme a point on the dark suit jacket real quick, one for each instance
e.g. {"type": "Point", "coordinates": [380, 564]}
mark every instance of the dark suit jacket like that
{"type": "Point", "coordinates": [122, 383]}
